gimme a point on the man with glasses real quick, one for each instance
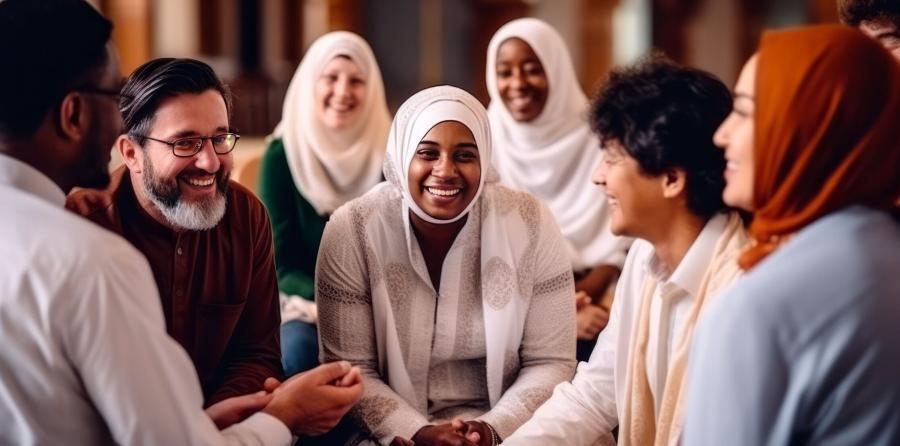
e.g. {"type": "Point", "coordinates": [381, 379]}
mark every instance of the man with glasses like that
{"type": "Point", "coordinates": [208, 239]}
{"type": "Point", "coordinates": [86, 358]}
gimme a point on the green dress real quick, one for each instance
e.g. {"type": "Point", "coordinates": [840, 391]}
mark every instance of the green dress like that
{"type": "Point", "coordinates": [296, 227]}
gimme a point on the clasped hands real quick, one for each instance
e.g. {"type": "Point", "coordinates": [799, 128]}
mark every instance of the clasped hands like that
{"type": "Point", "coordinates": [309, 403]}
{"type": "Point", "coordinates": [454, 433]}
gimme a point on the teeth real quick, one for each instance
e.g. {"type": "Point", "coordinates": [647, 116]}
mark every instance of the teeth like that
{"type": "Point", "coordinates": [340, 108]}
{"type": "Point", "coordinates": [443, 192]}
{"type": "Point", "coordinates": [200, 182]}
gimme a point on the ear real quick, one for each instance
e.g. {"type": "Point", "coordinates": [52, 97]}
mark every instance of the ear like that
{"type": "Point", "coordinates": [73, 117]}
{"type": "Point", "coordinates": [131, 153]}
{"type": "Point", "coordinates": [674, 183]}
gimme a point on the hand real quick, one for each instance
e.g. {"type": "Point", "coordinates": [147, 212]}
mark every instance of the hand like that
{"type": "Point", "coordinates": [483, 431]}
{"type": "Point", "coordinates": [236, 409]}
{"type": "Point", "coordinates": [598, 280]}
{"type": "Point", "coordinates": [400, 441]}
{"type": "Point", "coordinates": [311, 403]}
{"type": "Point", "coordinates": [590, 320]}
{"type": "Point", "coordinates": [448, 434]}
{"type": "Point", "coordinates": [581, 300]}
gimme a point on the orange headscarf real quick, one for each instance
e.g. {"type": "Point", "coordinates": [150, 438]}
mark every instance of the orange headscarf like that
{"type": "Point", "coordinates": [827, 130]}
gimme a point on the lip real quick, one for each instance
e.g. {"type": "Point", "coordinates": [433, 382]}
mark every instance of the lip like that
{"type": "Point", "coordinates": [443, 194]}
{"type": "Point", "coordinates": [199, 183]}
{"type": "Point", "coordinates": [520, 102]}
{"type": "Point", "coordinates": [338, 107]}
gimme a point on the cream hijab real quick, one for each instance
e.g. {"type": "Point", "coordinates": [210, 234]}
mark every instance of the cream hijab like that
{"type": "Point", "coordinates": [553, 156]}
{"type": "Point", "coordinates": [504, 238]}
{"type": "Point", "coordinates": [331, 167]}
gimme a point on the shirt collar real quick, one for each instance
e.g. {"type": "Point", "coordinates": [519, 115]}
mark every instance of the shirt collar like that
{"type": "Point", "coordinates": [689, 273]}
{"type": "Point", "coordinates": [18, 175]}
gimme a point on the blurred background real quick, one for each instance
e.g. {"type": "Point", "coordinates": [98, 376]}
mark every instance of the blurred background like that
{"type": "Point", "coordinates": [255, 45]}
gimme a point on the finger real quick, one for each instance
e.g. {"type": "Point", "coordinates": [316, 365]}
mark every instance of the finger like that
{"type": "Point", "coordinates": [327, 373]}
{"type": "Point", "coordinates": [342, 397]}
{"type": "Point", "coordinates": [474, 437]}
{"type": "Point", "coordinates": [352, 377]}
{"type": "Point", "coordinates": [270, 384]}
{"type": "Point", "coordinates": [459, 425]}
{"type": "Point", "coordinates": [581, 299]}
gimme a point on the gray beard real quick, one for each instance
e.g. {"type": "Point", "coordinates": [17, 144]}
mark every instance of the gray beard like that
{"type": "Point", "coordinates": [178, 213]}
{"type": "Point", "coordinates": [192, 216]}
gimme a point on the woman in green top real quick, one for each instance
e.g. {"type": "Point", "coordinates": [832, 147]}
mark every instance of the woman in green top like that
{"type": "Point", "coordinates": [327, 150]}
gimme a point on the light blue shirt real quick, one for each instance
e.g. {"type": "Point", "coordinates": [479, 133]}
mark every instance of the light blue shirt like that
{"type": "Point", "coordinates": [805, 349]}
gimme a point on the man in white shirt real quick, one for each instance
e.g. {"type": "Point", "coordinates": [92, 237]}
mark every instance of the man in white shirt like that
{"type": "Point", "coordinates": [86, 358]}
{"type": "Point", "coordinates": [664, 179]}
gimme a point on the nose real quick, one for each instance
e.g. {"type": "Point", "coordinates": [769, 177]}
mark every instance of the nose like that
{"type": "Point", "coordinates": [342, 87]}
{"type": "Point", "coordinates": [721, 137]}
{"type": "Point", "coordinates": [517, 79]}
{"type": "Point", "coordinates": [207, 158]}
{"type": "Point", "coordinates": [599, 175]}
{"type": "Point", "coordinates": [444, 168]}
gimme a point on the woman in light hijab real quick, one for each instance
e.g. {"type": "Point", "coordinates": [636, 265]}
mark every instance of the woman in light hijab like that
{"type": "Point", "coordinates": [327, 150]}
{"type": "Point", "coordinates": [804, 349]}
{"type": "Point", "coordinates": [544, 146]}
{"type": "Point", "coordinates": [451, 292]}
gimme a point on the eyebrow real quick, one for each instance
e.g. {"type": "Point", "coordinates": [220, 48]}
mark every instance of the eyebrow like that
{"type": "Point", "coordinates": [190, 133]}
{"type": "Point", "coordinates": [743, 96]}
{"type": "Point", "coordinates": [469, 145]}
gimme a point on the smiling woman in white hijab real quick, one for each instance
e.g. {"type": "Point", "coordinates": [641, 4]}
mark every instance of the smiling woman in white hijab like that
{"type": "Point", "coordinates": [543, 146]}
{"type": "Point", "coordinates": [327, 150]}
{"type": "Point", "coordinates": [452, 293]}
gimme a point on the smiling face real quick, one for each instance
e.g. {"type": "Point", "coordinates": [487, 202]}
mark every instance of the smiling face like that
{"type": "Point", "coordinates": [189, 192]}
{"type": "Point", "coordinates": [636, 200]}
{"type": "Point", "coordinates": [886, 33]}
{"type": "Point", "coordinates": [445, 170]}
{"type": "Point", "coordinates": [521, 80]}
{"type": "Point", "coordinates": [735, 135]}
{"type": "Point", "coordinates": [340, 93]}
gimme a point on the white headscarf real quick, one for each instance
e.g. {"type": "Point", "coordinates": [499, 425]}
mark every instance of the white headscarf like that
{"type": "Point", "coordinates": [331, 167]}
{"type": "Point", "coordinates": [554, 155]}
{"type": "Point", "coordinates": [415, 118]}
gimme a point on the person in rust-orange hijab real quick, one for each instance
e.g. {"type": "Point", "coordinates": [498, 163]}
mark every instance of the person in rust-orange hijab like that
{"type": "Point", "coordinates": [815, 128]}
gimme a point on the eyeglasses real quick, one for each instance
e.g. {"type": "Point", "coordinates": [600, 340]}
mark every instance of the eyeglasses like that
{"type": "Point", "coordinates": [222, 143]}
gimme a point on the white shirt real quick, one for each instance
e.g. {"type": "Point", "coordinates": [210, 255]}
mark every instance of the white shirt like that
{"type": "Point", "coordinates": [85, 357]}
{"type": "Point", "coordinates": [584, 411]}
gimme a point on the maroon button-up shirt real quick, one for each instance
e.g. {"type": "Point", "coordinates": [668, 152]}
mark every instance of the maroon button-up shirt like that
{"type": "Point", "coordinates": [218, 287]}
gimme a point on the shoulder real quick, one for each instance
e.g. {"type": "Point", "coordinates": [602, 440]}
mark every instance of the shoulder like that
{"type": "Point", "coordinates": [503, 201]}
{"type": "Point", "coordinates": [840, 271]}
{"type": "Point", "coordinates": [241, 199]}
{"type": "Point", "coordinates": [61, 241]}
{"type": "Point", "coordinates": [274, 152]}
{"type": "Point", "coordinates": [383, 199]}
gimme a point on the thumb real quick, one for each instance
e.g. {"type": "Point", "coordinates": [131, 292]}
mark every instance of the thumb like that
{"type": "Point", "coordinates": [327, 373]}
{"type": "Point", "coordinates": [270, 384]}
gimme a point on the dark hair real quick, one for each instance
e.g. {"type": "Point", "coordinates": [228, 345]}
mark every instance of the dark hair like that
{"type": "Point", "coordinates": [48, 49]}
{"type": "Point", "coordinates": [664, 116]}
{"type": "Point", "coordinates": [854, 12]}
{"type": "Point", "coordinates": [160, 79]}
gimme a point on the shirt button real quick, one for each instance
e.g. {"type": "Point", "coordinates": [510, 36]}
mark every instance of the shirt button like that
{"type": "Point", "coordinates": [179, 293]}
{"type": "Point", "coordinates": [178, 250]}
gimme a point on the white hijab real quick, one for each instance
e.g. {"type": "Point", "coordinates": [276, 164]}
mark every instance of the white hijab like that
{"type": "Point", "coordinates": [504, 235]}
{"type": "Point", "coordinates": [331, 167]}
{"type": "Point", "coordinates": [553, 156]}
